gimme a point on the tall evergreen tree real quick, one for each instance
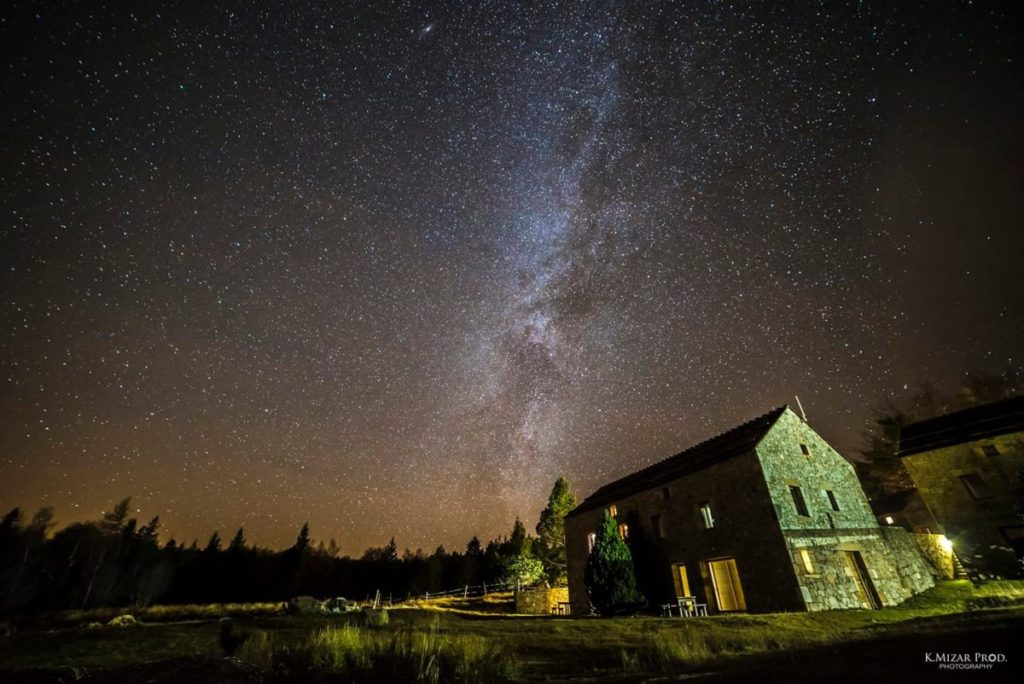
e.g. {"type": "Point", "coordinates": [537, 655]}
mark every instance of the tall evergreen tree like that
{"type": "Point", "coordinates": [213, 546]}
{"type": "Point", "coordinates": [302, 541]}
{"type": "Point", "coordinates": [114, 519]}
{"type": "Point", "coordinates": [238, 541]}
{"type": "Point", "coordinates": [519, 544]}
{"type": "Point", "coordinates": [609, 574]}
{"type": "Point", "coordinates": [551, 531]}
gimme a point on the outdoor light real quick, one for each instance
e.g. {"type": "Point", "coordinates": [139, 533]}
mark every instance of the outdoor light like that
{"type": "Point", "coordinates": [889, 520]}
{"type": "Point", "coordinates": [945, 543]}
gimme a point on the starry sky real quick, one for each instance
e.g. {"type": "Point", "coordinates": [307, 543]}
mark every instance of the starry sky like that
{"type": "Point", "coordinates": [393, 267]}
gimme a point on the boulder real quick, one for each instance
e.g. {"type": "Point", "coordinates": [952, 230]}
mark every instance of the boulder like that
{"type": "Point", "coordinates": [340, 604]}
{"type": "Point", "coordinates": [305, 605]}
{"type": "Point", "coordinates": [123, 621]}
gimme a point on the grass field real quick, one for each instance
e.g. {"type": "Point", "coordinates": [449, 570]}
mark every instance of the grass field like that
{"type": "Point", "coordinates": [473, 640]}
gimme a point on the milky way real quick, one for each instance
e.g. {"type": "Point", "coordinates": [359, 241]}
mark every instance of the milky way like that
{"type": "Point", "coordinates": [393, 268]}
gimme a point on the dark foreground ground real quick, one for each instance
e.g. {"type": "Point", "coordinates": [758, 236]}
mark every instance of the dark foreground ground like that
{"type": "Point", "coordinates": [899, 659]}
{"type": "Point", "coordinates": [891, 646]}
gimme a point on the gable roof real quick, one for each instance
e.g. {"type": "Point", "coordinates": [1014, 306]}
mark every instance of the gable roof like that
{"type": "Point", "coordinates": [739, 440]}
{"type": "Point", "coordinates": [978, 422]}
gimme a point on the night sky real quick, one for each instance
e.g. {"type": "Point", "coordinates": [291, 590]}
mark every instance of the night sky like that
{"type": "Point", "coordinates": [393, 269]}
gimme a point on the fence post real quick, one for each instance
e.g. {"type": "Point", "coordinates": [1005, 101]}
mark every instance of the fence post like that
{"type": "Point", "coordinates": [465, 592]}
{"type": "Point", "coordinates": [485, 588]}
{"type": "Point", "coordinates": [426, 595]}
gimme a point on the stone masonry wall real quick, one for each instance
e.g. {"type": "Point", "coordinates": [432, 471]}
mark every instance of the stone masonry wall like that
{"type": "Point", "coordinates": [744, 529]}
{"type": "Point", "coordinates": [540, 600]}
{"type": "Point", "coordinates": [913, 568]}
{"type": "Point", "coordinates": [896, 568]}
{"type": "Point", "coordinates": [971, 523]}
{"type": "Point", "coordinates": [940, 558]}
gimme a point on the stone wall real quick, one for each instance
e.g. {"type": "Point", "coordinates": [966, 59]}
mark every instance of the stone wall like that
{"type": "Point", "coordinates": [976, 526]}
{"type": "Point", "coordinates": [937, 552]}
{"type": "Point", "coordinates": [540, 600]}
{"type": "Point", "coordinates": [896, 568]}
{"type": "Point", "coordinates": [817, 472]}
{"type": "Point", "coordinates": [744, 529]}
{"type": "Point", "coordinates": [914, 569]}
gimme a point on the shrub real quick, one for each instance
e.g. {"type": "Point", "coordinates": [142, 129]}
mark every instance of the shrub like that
{"type": "Point", "coordinates": [609, 573]}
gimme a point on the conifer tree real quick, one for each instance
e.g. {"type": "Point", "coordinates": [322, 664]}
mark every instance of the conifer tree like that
{"type": "Point", "coordinates": [302, 541]}
{"type": "Point", "coordinates": [213, 545]}
{"type": "Point", "coordinates": [238, 541]}
{"type": "Point", "coordinates": [609, 574]}
{"type": "Point", "coordinates": [551, 531]}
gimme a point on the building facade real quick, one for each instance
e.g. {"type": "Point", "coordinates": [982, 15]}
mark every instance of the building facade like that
{"type": "Point", "coordinates": [968, 467]}
{"type": "Point", "coordinates": [765, 517]}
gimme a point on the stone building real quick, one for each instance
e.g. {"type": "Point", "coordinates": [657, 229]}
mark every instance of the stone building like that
{"type": "Point", "coordinates": [764, 517]}
{"type": "Point", "coordinates": [968, 468]}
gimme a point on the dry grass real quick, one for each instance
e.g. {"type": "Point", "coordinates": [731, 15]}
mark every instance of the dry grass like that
{"type": "Point", "coordinates": [381, 655]}
{"type": "Point", "coordinates": [457, 639]}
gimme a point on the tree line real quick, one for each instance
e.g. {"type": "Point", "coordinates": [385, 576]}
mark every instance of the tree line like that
{"type": "Point", "coordinates": [115, 561]}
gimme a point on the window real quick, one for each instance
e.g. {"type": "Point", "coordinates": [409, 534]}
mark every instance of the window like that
{"type": "Point", "coordinates": [705, 514]}
{"type": "Point", "coordinates": [591, 540]}
{"type": "Point", "coordinates": [798, 500]}
{"type": "Point", "coordinates": [990, 450]}
{"type": "Point", "coordinates": [624, 530]}
{"type": "Point", "coordinates": [975, 486]}
{"type": "Point", "coordinates": [666, 493]}
{"type": "Point", "coordinates": [806, 558]}
{"type": "Point", "coordinates": [805, 451]}
{"type": "Point", "coordinates": [613, 510]}
{"type": "Point", "coordinates": [659, 531]}
{"type": "Point", "coordinates": [832, 499]}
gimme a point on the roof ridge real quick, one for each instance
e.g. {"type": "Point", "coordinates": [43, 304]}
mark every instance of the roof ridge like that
{"type": "Point", "coordinates": [768, 418]}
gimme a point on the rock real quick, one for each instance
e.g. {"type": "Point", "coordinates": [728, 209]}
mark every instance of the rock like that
{"type": "Point", "coordinates": [340, 604]}
{"type": "Point", "coordinates": [94, 625]}
{"type": "Point", "coordinates": [305, 605]}
{"type": "Point", "coordinates": [123, 621]}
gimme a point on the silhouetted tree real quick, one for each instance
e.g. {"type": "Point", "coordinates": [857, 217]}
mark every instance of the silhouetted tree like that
{"type": "Point", "coordinates": [302, 541]}
{"type": "Point", "coordinates": [213, 545]}
{"type": "Point", "coordinates": [238, 541]}
{"type": "Point", "coordinates": [114, 519]}
{"type": "Point", "coordinates": [551, 531]}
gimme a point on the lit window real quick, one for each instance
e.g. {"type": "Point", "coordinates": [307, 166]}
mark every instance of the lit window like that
{"type": "Point", "coordinates": [975, 486]}
{"type": "Point", "coordinates": [804, 450]}
{"type": "Point", "coordinates": [806, 558]}
{"type": "Point", "coordinates": [624, 530]}
{"type": "Point", "coordinates": [659, 531]}
{"type": "Point", "coordinates": [591, 540]}
{"type": "Point", "coordinates": [990, 450]}
{"type": "Point", "coordinates": [832, 499]}
{"type": "Point", "coordinates": [705, 514]}
{"type": "Point", "coordinates": [613, 510]}
{"type": "Point", "coordinates": [889, 520]}
{"type": "Point", "coordinates": [798, 500]}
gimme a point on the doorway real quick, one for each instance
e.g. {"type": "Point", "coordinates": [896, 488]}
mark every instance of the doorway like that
{"type": "Point", "coordinates": [725, 581]}
{"type": "Point", "coordinates": [866, 593]}
{"type": "Point", "coordinates": [681, 580]}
